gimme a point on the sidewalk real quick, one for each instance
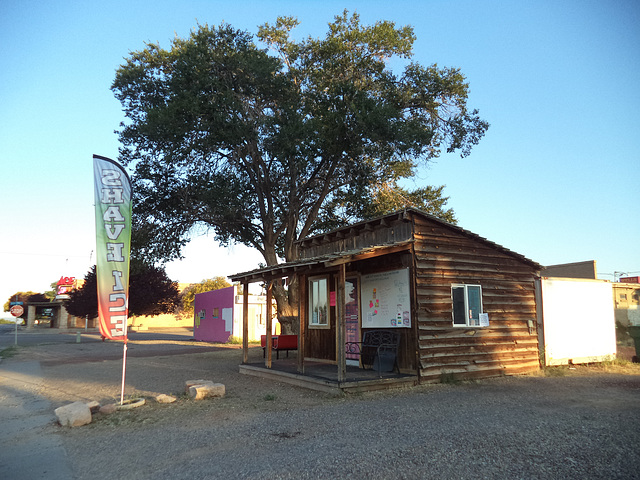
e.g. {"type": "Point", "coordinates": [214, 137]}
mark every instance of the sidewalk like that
{"type": "Point", "coordinates": [26, 451]}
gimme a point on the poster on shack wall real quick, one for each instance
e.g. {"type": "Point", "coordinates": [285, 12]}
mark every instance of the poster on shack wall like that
{"type": "Point", "coordinates": [386, 299]}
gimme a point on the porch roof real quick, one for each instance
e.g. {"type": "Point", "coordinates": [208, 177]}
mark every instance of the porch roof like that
{"type": "Point", "coordinates": [330, 260]}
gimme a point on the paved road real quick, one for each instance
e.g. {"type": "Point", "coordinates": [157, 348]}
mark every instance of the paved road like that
{"type": "Point", "coordinates": [38, 336]}
{"type": "Point", "coordinates": [25, 452]}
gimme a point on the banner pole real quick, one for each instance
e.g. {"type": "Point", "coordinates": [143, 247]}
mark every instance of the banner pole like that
{"type": "Point", "coordinates": [16, 322]}
{"type": "Point", "coordinates": [124, 368]}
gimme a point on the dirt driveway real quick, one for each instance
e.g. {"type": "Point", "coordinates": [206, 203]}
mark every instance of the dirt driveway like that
{"type": "Point", "coordinates": [577, 426]}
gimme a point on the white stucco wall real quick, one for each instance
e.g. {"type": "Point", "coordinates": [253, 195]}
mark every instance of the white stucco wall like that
{"type": "Point", "coordinates": [578, 321]}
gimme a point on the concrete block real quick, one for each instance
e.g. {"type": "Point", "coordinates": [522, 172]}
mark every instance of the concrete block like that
{"type": "Point", "coordinates": [190, 383]}
{"type": "Point", "coordinates": [209, 389]}
{"type": "Point", "coordinates": [108, 409]}
{"type": "Point", "coordinates": [93, 406]}
{"type": "Point", "coordinates": [165, 398]}
{"type": "Point", "coordinates": [75, 414]}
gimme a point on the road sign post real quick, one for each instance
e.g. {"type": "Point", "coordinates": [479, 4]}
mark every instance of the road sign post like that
{"type": "Point", "coordinates": [17, 311]}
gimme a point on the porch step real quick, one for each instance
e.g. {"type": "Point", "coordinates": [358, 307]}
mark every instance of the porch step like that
{"type": "Point", "coordinates": [327, 385]}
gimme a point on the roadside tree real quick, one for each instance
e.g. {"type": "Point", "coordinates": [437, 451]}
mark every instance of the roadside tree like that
{"type": "Point", "coordinates": [24, 297]}
{"type": "Point", "coordinates": [151, 292]}
{"type": "Point", "coordinates": [267, 146]}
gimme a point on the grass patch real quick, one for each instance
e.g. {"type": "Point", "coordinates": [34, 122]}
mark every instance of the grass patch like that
{"type": "Point", "coordinates": [449, 378]}
{"type": "Point", "coordinates": [9, 352]}
{"type": "Point", "coordinates": [269, 397]}
{"type": "Point", "coordinates": [609, 366]}
{"type": "Point", "coordinates": [619, 366]}
{"type": "Point", "coordinates": [556, 371]}
{"type": "Point", "coordinates": [614, 362]}
{"type": "Point", "coordinates": [238, 341]}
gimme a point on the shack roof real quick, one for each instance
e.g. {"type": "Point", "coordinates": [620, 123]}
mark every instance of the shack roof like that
{"type": "Point", "coordinates": [337, 258]}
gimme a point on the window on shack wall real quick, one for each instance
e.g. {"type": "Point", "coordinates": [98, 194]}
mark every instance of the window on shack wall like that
{"type": "Point", "coordinates": [319, 302]}
{"type": "Point", "coordinates": [467, 304]}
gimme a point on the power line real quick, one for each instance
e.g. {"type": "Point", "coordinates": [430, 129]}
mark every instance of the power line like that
{"type": "Point", "coordinates": [617, 276]}
{"type": "Point", "coordinates": [44, 254]}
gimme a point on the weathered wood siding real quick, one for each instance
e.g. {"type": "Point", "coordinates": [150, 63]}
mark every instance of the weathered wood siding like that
{"type": "Point", "coordinates": [445, 256]}
{"type": "Point", "coordinates": [355, 238]}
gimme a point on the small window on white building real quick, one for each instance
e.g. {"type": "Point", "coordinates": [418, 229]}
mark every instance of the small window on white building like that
{"type": "Point", "coordinates": [467, 305]}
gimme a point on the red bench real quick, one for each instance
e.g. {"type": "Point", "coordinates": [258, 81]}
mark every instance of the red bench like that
{"type": "Point", "coordinates": [279, 343]}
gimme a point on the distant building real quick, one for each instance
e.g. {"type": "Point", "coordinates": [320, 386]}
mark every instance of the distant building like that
{"type": "Point", "coordinates": [54, 315]}
{"type": "Point", "coordinates": [626, 301]}
{"type": "Point", "coordinates": [218, 315]}
{"type": "Point", "coordinates": [571, 270]}
{"type": "Point", "coordinates": [629, 280]}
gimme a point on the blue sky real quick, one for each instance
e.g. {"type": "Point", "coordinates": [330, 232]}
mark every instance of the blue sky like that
{"type": "Point", "coordinates": [555, 179]}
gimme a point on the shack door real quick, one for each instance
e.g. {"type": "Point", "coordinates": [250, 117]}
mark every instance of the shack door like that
{"type": "Point", "coordinates": [352, 314]}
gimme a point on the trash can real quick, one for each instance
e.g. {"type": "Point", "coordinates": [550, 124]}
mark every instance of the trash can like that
{"type": "Point", "coordinates": [634, 332]}
{"type": "Point", "coordinates": [384, 361]}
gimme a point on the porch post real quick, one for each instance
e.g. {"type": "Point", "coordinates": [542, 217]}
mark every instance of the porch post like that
{"type": "Point", "coordinates": [245, 322]}
{"type": "Point", "coordinates": [31, 315]}
{"type": "Point", "coordinates": [341, 326]}
{"type": "Point", "coordinates": [63, 318]}
{"type": "Point", "coordinates": [269, 344]}
{"type": "Point", "coordinates": [302, 295]}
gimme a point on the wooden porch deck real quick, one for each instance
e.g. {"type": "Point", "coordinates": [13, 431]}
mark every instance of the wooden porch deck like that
{"type": "Point", "coordinates": [324, 376]}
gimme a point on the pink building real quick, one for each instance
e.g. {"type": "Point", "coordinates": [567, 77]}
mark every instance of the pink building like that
{"type": "Point", "coordinates": [218, 315]}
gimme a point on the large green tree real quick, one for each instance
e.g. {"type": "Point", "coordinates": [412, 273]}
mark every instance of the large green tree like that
{"type": "Point", "coordinates": [25, 298]}
{"type": "Point", "coordinates": [265, 146]}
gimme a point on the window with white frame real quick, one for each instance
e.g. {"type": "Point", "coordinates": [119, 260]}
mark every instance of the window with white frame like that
{"type": "Point", "coordinates": [319, 302]}
{"type": "Point", "coordinates": [467, 304]}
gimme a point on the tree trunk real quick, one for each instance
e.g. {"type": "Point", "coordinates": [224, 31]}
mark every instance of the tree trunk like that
{"type": "Point", "coordinates": [287, 302]}
{"type": "Point", "coordinates": [286, 298]}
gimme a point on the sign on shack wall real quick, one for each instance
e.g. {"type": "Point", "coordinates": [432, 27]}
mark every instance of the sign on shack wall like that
{"type": "Point", "coordinates": [386, 299]}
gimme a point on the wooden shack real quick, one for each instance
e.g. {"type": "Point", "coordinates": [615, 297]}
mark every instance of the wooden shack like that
{"type": "Point", "coordinates": [464, 306]}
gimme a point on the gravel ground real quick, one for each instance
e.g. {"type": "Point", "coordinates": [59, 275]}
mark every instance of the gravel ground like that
{"type": "Point", "coordinates": [570, 427]}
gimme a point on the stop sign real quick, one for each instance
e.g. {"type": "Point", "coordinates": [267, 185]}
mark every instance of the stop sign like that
{"type": "Point", "coordinates": [16, 310]}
